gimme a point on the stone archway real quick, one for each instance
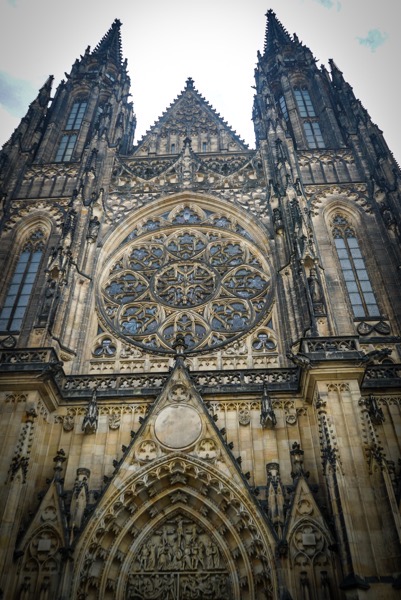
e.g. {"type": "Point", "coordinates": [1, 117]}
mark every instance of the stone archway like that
{"type": "Point", "coordinates": [177, 522]}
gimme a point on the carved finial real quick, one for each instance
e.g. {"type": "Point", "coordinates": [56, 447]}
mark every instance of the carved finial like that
{"type": "Point", "coordinates": [267, 417]}
{"type": "Point", "coordinates": [58, 462]}
{"type": "Point", "coordinates": [180, 344]}
{"type": "Point", "coordinates": [90, 422]}
{"type": "Point", "coordinates": [189, 84]}
{"type": "Point", "coordinates": [374, 410]}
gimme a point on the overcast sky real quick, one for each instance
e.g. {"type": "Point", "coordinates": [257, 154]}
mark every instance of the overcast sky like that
{"type": "Point", "coordinates": [213, 41]}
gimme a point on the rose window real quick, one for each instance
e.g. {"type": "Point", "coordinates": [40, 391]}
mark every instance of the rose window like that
{"type": "Point", "coordinates": [206, 285]}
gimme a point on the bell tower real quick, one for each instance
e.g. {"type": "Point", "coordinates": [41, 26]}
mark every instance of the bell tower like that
{"type": "Point", "coordinates": [317, 138]}
{"type": "Point", "coordinates": [90, 104]}
{"type": "Point", "coordinates": [60, 157]}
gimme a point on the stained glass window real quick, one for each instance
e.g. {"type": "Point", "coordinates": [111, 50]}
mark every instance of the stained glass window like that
{"type": "Point", "coordinates": [283, 107]}
{"type": "Point", "coordinates": [20, 289]}
{"type": "Point", "coordinates": [313, 133]}
{"type": "Point", "coordinates": [76, 116]}
{"type": "Point", "coordinates": [192, 279]}
{"type": "Point", "coordinates": [68, 141]}
{"type": "Point", "coordinates": [66, 148]}
{"type": "Point", "coordinates": [354, 270]}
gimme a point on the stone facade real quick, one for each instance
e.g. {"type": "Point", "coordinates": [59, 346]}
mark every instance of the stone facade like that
{"type": "Point", "coordinates": [200, 369]}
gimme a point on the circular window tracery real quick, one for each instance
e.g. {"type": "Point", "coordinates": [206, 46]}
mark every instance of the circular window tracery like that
{"type": "Point", "coordinates": [206, 285]}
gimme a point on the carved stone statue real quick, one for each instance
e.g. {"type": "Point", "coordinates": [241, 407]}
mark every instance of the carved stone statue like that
{"type": "Point", "coordinates": [90, 422]}
{"type": "Point", "coordinates": [316, 292]}
{"type": "Point", "coordinates": [93, 229]}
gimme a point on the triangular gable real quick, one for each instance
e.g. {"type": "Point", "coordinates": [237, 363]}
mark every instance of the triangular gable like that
{"type": "Point", "coordinates": [179, 422]}
{"type": "Point", "coordinates": [48, 522]}
{"type": "Point", "coordinates": [189, 116]}
{"type": "Point", "coordinates": [307, 532]}
{"type": "Point", "coordinates": [176, 502]}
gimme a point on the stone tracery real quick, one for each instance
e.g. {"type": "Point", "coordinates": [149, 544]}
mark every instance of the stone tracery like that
{"type": "Point", "coordinates": [174, 276]}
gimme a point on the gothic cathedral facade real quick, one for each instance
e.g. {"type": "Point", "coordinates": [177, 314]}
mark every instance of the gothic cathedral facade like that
{"type": "Point", "coordinates": [200, 343]}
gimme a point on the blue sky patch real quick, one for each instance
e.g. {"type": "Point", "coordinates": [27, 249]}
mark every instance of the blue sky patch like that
{"type": "Point", "coordinates": [330, 3]}
{"type": "Point", "coordinates": [373, 40]}
{"type": "Point", "coordinates": [15, 94]}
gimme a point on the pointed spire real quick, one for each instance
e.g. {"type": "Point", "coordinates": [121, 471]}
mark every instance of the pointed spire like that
{"type": "Point", "coordinates": [110, 45]}
{"type": "Point", "coordinates": [336, 74]}
{"type": "Point", "coordinates": [276, 34]}
{"type": "Point", "coordinates": [43, 96]}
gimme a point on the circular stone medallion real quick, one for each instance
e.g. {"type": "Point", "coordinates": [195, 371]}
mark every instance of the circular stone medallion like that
{"type": "Point", "coordinates": [178, 426]}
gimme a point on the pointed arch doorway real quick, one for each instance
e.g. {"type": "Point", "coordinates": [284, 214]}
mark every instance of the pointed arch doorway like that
{"type": "Point", "coordinates": [178, 530]}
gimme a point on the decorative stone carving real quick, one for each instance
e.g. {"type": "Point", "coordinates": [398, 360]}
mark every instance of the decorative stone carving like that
{"type": "Point", "coordinates": [210, 286]}
{"type": "Point", "coordinates": [14, 398]}
{"type": "Point", "coordinates": [114, 421]}
{"type": "Point", "coordinates": [366, 328]}
{"type": "Point", "coordinates": [262, 342]}
{"type": "Point", "coordinates": [179, 393]}
{"type": "Point", "coordinates": [374, 410]}
{"type": "Point", "coordinates": [179, 560]}
{"type": "Point", "coordinates": [268, 418]}
{"type": "Point", "coordinates": [207, 449]}
{"type": "Point", "coordinates": [308, 545]}
{"type": "Point", "coordinates": [315, 291]}
{"type": "Point", "coordinates": [275, 497]}
{"type": "Point", "coordinates": [244, 416]}
{"type": "Point", "coordinates": [291, 419]}
{"type": "Point", "coordinates": [90, 422]}
{"type": "Point", "coordinates": [297, 461]}
{"type": "Point", "coordinates": [105, 348]}
{"type": "Point", "coordinates": [93, 229]}
{"type": "Point", "coordinates": [146, 451]}
{"type": "Point", "coordinates": [8, 342]}
{"type": "Point", "coordinates": [68, 422]}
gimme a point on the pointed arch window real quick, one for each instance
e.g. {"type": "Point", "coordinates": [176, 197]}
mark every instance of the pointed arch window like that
{"type": "Point", "coordinates": [72, 126]}
{"type": "Point", "coordinates": [354, 270]}
{"type": "Point", "coordinates": [76, 116]}
{"type": "Point", "coordinates": [313, 133]}
{"type": "Point", "coordinates": [66, 148]}
{"type": "Point", "coordinates": [23, 279]}
{"type": "Point", "coordinates": [304, 103]}
{"type": "Point", "coordinates": [283, 107]}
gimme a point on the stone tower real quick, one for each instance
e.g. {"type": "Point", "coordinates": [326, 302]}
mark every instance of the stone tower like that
{"type": "Point", "coordinates": [200, 378]}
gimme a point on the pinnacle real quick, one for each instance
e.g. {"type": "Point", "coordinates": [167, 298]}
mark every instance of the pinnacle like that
{"type": "Point", "coordinates": [276, 34]}
{"type": "Point", "coordinates": [189, 84]}
{"type": "Point", "coordinates": [110, 44]}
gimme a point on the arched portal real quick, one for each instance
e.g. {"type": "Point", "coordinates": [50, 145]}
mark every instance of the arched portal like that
{"type": "Point", "coordinates": [177, 528]}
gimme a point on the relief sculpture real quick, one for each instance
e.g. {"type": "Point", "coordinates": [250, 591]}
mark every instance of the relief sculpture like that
{"type": "Point", "coordinates": [178, 561]}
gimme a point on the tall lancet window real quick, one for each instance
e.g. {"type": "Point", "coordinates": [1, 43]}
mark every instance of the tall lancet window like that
{"type": "Point", "coordinates": [22, 281]}
{"type": "Point", "coordinates": [73, 125]}
{"type": "Point", "coordinates": [313, 134]}
{"type": "Point", "coordinates": [353, 267]}
{"type": "Point", "coordinates": [76, 116]}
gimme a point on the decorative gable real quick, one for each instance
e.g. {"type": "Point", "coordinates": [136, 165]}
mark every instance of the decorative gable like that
{"type": "Point", "coordinates": [190, 116]}
{"type": "Point", "coordinates": [178, 516]}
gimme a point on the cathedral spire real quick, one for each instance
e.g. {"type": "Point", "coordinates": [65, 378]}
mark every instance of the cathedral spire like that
{"type": "Point", "coordinates": [276, 34]}
{"type": "Point", "coordinates": [110, 44]}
